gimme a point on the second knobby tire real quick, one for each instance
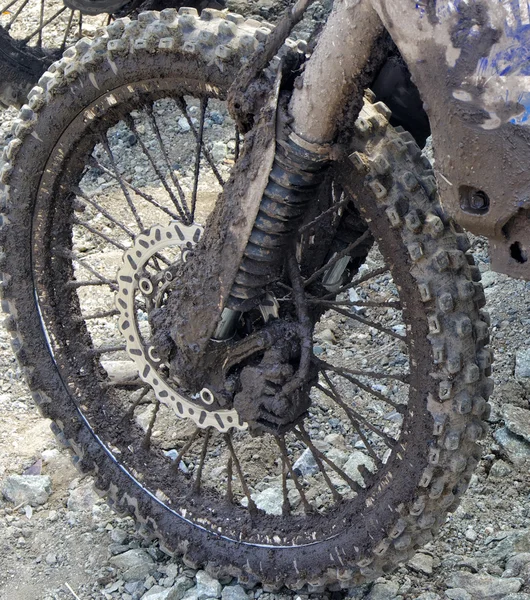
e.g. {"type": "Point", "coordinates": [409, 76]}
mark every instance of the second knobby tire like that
{"type": "Point", "coordinates": [103, 154]}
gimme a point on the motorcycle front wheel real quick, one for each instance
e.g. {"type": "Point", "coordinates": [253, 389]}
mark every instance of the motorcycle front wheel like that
{"type": "Point", "coordinates": [117, 159]}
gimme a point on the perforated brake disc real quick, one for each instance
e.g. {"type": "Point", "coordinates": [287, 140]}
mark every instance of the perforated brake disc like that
{"type": "Point", "coordinates": [131, 282]}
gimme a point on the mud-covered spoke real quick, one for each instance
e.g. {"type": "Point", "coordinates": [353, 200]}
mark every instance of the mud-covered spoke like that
{"type": "Point", "coordinates": [337, 257]}
{"type": "Point", "coordinates": [67, 31]}
{"type": "Point", "coordinates": [202, 459]}
{"type": "Point", "coordinates": [186, 448]}
{"type": "Point", "coordinates": [241, 475]}
{"type": "Point", "coordinates": [105, 143]}
{"type": "Point", "coordinates": [356, 282]}
{"type": "Point", "coordinates": [355, 373]}
{"type": "Point", "coordinates": [8, 26]}
{"type": "Point", "coordinates": [286, 461]}
{"type": "Point", "coordinates": [146, 443]}
{"type": "Point", "coordinates": [133, 188]}
{"type": "Point", "coordinates": [198, 152]}
{"type": "Point", "coordinates": [355, 415]}
{"type": "Point", "coordinates": [42, 25]}
{"type": "Point", "coordinates": [178, 203]}
{"type": "Point", "coordinates": [369, 323]}
{"type": "Point", "coordinates": [320, 458]}
{"type": "Point", "coordinates": [198, 135]}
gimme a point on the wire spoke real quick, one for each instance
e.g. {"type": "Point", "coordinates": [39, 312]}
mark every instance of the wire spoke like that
{"type": "Point", "coordinates": [302, 435]}
{"type": "Point", "coordinates": [74, 284]}
{"type": "Point", "coordinates": [390, 442]}
{"type": "Point", "coordinates": [146, 444]}
{"type": "Point", "coordinates": [338, 257]}
{"type": "Point", "coordinates": [357, 282]}
{"type": "Point", "coordinates": [66, 31]}
{"type": "Point", "coordinates": [286, 505]}
{"type": "Point", "coordinates": [229, 475]}
{"type": "Point", "coordinates": [361, 303]}
{"type": "Point", "coordinates": [184, 109]}
{"type": "Point", "coordinates": [181, 209]}
{"type": "Point", "coordinates": [43, 25]}
{"type": "Point", "coordinates": [204, 104]}
{"type": "Point", "coordinates": [106, 350]}
{"type": "Point", "coordinates": [344, 373]}
{"type": "Point", "coordinates": [41, 20]}
{"type": "Point", "coordinates": [373, 374]}
{"type": "Point", "coordinates": [334, 396]}
{"type": "Point", "coordinates": [368, 323]}
{"type": "Point", "coordinates": [253, 509]}
{"type": "Point", "coordinates": [8, 26]}
{"type": "Point", "coordinates": [100, 234]}
{"type": "Point", "coordinates": [280, 440]}
{"type": "Point", "coordinates": [78, 192]}
{"type": "Point", "coordinates": [125, 191]}
{"type": "Point", "coordinates": [136, 403]}
{"type": "Point", "coordinates": [154, 126]}
{"type": "Point", "coordinates": [333, 209]}
{"type": "Point", "coordinates": [99, 315]}
{"type": "Point", "coordinates": [198, 476]}
{"type": "Point", "coordinates": [185, 448]}
{"type": "Point", "coordinates": [97, 165]}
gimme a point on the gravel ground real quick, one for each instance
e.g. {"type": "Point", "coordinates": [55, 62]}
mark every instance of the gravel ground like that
{"type": "Point", "coordinates": [60, 541]}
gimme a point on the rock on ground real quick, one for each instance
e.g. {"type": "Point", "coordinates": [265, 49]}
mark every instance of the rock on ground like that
{"type": "Point", "coordinates": [32, 490]}
{"type": "Point", "coordinates": [480, 585]}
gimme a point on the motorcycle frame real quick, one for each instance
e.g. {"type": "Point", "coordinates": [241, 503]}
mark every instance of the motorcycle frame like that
{"type": "Point", "coordinates": [468, 60]}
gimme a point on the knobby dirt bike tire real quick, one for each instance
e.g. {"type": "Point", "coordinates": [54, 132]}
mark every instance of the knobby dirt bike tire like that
{"type": "Point", "coordinates": [396, 195]}
{"type": "Point", "coordinates": [21, 65]}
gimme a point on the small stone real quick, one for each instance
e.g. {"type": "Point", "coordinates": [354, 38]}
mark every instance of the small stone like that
{"type": "Point", "coordinates": [219, 151]}
{"type": "Point", "coordinates": [180, 587]}
{"type": "Point", "coordinates": [217, 117]}
{"type": "Point", "coordinates": [51, 558]}
{"type": "Point", "coordinates": [269, 500]}
{"type": "Point", "coordinates": [517, 420]}
{"type": "Point", "coordinates": [458, 594]}
{"type": "Point", "coordinates": [515, 564]}
{"type": "Point", "coordinates": [489, 278]}
{"type": "Point", "coordinates": [234, 592]}
{"type": "Point", "coordinates": [358, 458]}
{"type": "Point", "coordinates": [500, 469]}
{"type": "Point", "coordinates": [522, 363]}
{"type": "Point", "coordinates": [136, 564]}
{"type": "Point", "coordinates": [207, 586]}
{"type": "Point", "coordinates": [428, 596]}
{"type": "Point", "coordinates": [158, 592]}
{"type": "Point", "coordinates": [48, 455]}
{"type": "Point", "coordinates": [183, 124]}
{"type": "Point", "coordinates": [386, 590]}
{"type": "Point", "coordinates": [172, 570]}
{"type": "Point", "coordinates": [471, 535]}
{"type": "Point", "coordinates": [305, 465]}
{"type": "Point", "coordinates": [484, 586]}
{"type": "Point", "coordinates": [27, 489]}
{"type": "Point", "coordinates": [326, 336]}
{"type": "Point", "coordinates": [83, 498]}
{"type": "Point", "coordinates": [517, 450]}
{"type": "Point", "coordinates": [422, 563]}
{"type": "Point", "coordinates": [118, 535]}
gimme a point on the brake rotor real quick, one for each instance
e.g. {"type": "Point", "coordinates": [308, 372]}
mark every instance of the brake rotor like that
{"type": "Point", "coordinates": [131, 282]}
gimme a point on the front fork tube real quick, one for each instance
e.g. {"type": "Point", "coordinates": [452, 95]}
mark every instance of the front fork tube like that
{"type": "Point", "coordinates": [330, 82]}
